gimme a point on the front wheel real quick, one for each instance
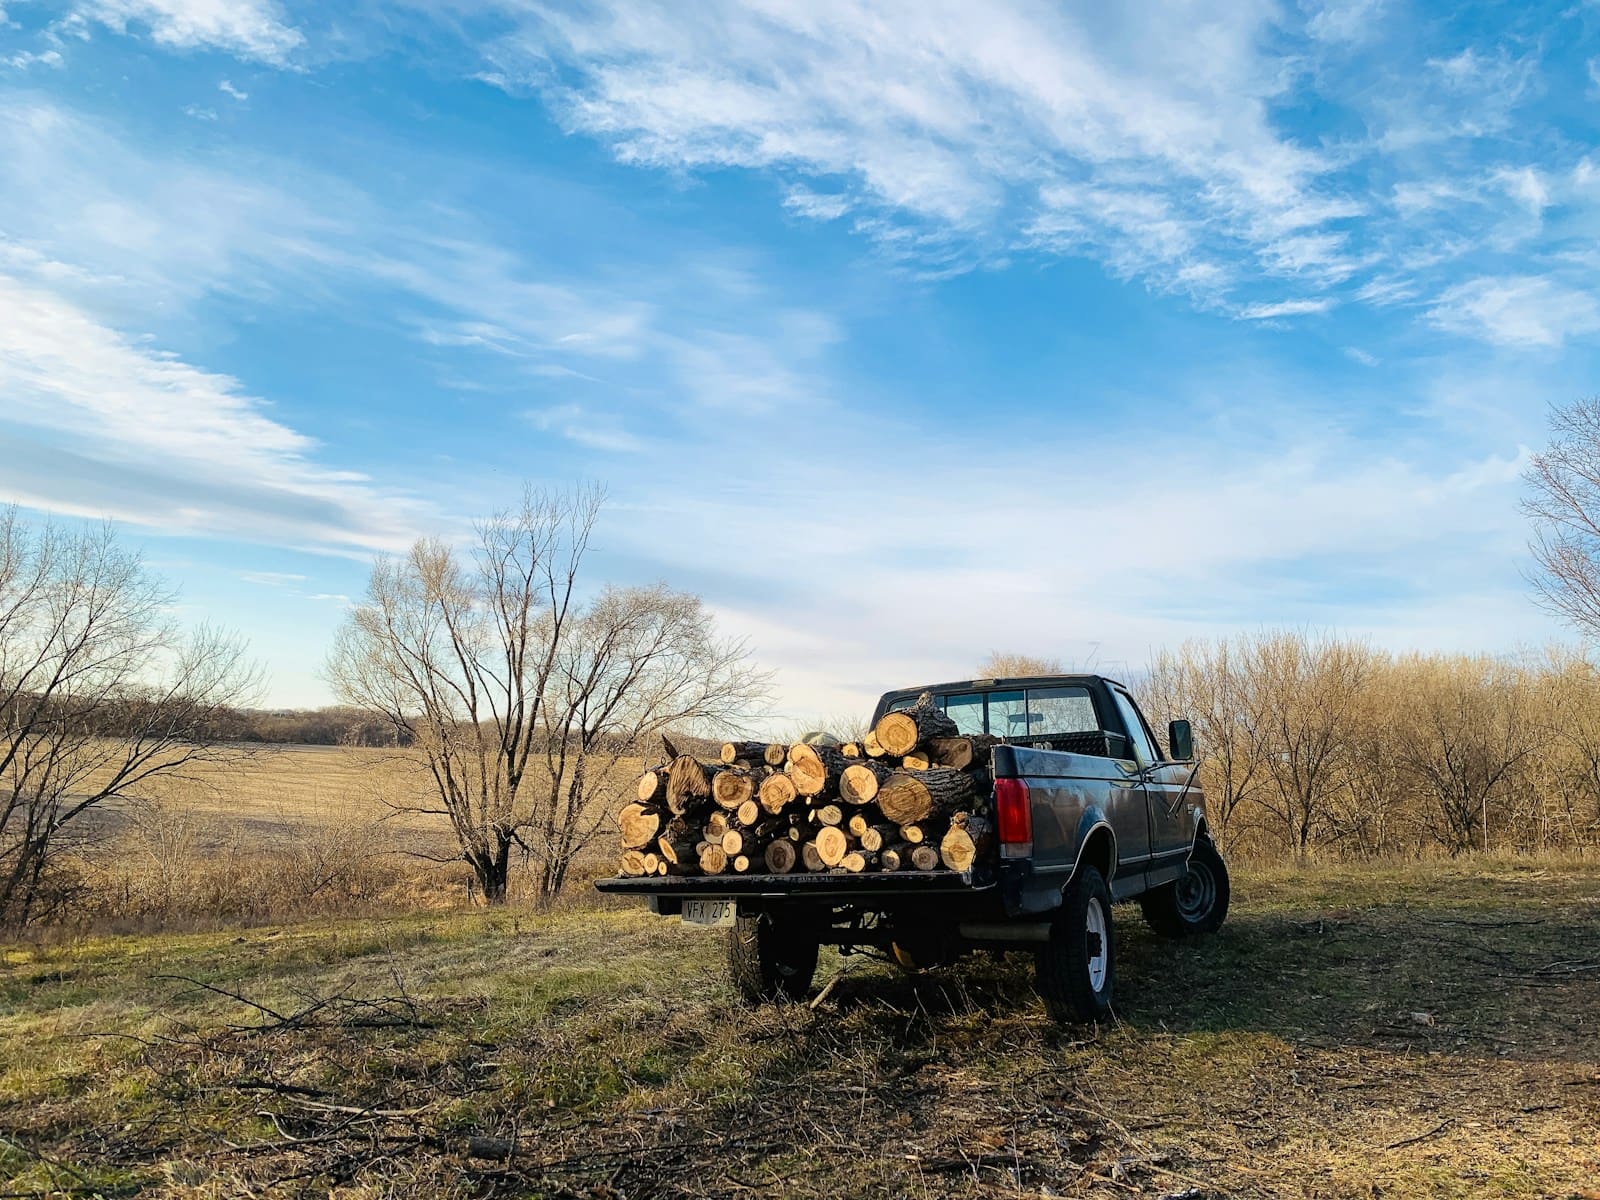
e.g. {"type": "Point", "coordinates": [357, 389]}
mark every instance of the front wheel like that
{"type": "Point", "coordinates": [1195, 904]}
{"type": "Point", "coordinates": [772, 957]}
{"type": "Point", "coordinates": [1076, 969]}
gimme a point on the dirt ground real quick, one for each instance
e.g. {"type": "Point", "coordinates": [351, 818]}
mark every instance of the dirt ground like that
{"type": "Point", "coordinates": [1427, 1030]}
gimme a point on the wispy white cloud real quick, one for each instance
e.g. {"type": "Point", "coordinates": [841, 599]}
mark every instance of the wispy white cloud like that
{"type": "Point", "coordinates": [596, 430]}
{"type": "Point", "coordinates": [227, 89]}
{"type": "Point", "coordinates": [1517, 310]}
{"type": "Point", "coordinates": [252, 29]}
{"type": "Point", "coordinates": [130, 432]}
{"type": "Point", "coordinates": [1284, 308]}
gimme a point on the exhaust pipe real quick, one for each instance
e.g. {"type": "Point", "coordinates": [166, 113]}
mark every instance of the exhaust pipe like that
{"type": "Point", "coordinates": [985, 931]}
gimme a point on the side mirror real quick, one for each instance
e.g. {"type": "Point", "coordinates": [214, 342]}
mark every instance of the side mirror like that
{"type": "Point", "coordinates": [1180, 740]}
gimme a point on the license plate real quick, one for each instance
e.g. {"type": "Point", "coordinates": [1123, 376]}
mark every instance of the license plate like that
{"type": "Point", "coordinates": [709, 912]}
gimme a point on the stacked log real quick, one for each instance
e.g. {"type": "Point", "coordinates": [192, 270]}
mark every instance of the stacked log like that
{"type": "Point", "coordinates": [912, 795]}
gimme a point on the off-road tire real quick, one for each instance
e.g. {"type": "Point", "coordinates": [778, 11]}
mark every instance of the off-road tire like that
{"type": "Point", "coordinates": [1075, 971]}
{"type": "Point", "coordinates": [772, 958]}
{"type": "Point", "coordinates": [1195, 904]}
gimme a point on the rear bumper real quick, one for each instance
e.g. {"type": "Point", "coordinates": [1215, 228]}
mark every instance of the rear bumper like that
{"type": "Point", "coordinates": [869, 888]}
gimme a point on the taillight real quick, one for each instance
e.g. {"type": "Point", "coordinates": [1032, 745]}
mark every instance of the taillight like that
{"type": "Point", "coordinates": [1013, 818]}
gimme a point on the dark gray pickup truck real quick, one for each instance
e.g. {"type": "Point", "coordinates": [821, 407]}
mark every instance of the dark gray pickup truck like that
{"type": "Point", "coordinates": [1089, 810]}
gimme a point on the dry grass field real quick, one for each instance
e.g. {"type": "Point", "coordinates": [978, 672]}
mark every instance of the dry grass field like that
{"type": "Point", "coordinates": [1418, 1031]}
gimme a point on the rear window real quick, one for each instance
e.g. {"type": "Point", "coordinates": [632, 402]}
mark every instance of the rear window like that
{"type": "Point", "coordinates": [1035, 712]}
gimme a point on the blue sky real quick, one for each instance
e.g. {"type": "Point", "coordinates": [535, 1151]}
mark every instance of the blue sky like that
{"type": "Point", "coordinates": [899, 331]}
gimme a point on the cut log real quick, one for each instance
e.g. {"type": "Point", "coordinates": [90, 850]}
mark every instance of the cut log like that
{"type": "Point", "coordinates": [734, 842]}
{"type": "Point", "coordinates": [913, 834]}
{"type": "Point", "coordinates": [663, 867]}
{"type": "Point", "coordinates": [856, 825]}
{"type": "Point", "coordinates": [810, 858]}
{"type": "Point", "coordinates": [829, 814]}
{"type": "Point", "coordinates": [962, 753]}
{"type": "Point", "coordinates": [713, 860]}
{"type": "Point", "coordinates": [732, 752]}
{"type": "Point", "coordinates": [851, 750]}
{"type": "Point", "coordinates": [876, 837]}
{"type": "Point", "coordinates": [731, 788]}
{"type": "Point", "coordinates": [970, 838]}
{"type": "Point", "coordinates": [775, 755]}
{"type": "Point", "coordinates": [631, 862]}
{"type": "Point", "coordinates": [777, 793]}
{"type": "Point", "coordinates": [678, 851]}
{"type": "Point", "coordinates": [855, 862]}
{"type": "Point", "coordinates": [902, 732]}
{"type": "Point", "coordinates": [781, 856]}
{"type": "Point", "coordinates": [649, 786]}
{"type": "Point", "coordinates": [815, 770]}
{"type": "Point", "coordinates": [717, 824]}
{"type": "Point", "coordinates": [894, 857]}
{"type": "Point", "coordinates": [741, 863]}
{"type": "Point", "coordinates": [748, 814]}
{"type": "Point", "coordinates": [907, 797]}
{"type": "Point", "coordinates": [688, 780]}
{"type": "Point", "coordinates": [916, 761]}
{"type": "Point", "coordinates": [832, 845]}
{"type": "Point", "coordinates": [924, 858]}
{"type": "Point", "coordinates": [859, 782]}
{"type": "Point", "coordinates": [652, 861]}
{"type": "Point", "coordinates": [639, 825]}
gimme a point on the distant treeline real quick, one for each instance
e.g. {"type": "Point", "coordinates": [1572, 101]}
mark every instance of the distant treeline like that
{"type": "Point", "coordinates": [1330, 747]}
{"type": "Point", "coordinates": [333, 726]}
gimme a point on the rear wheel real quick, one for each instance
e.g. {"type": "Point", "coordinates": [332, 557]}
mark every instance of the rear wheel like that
{"type": "Point", "coordinates": [1076, 970]}
{"type": "Point", "coordinates": [772, 957]}
{"type": "Point", "coordinates": [1195, 904]}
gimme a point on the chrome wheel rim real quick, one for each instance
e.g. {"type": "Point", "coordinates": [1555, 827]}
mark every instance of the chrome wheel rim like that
{"type": "Point", "coordinates": [1098, 944]}
{"type": "Point", "coordinates": [1197, 892]}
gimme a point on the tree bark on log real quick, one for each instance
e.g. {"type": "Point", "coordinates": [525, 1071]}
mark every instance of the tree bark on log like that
{"type": "Point", "coordinates": [781, 855]}
{"type": "Point", "coordinates": [639, 826]}
{"type": "Point", "coordinates": [908, 797]}
{"type": "Point", "coordinates": [859, 782]}
{"type": "Point", "coordinates": [777, 793]}
{"type": "Point", "coordinates": [970, 838]}
{"type": "Point", "coordinates": [732, 752]}
{"type": "Point", "coordinates": [732, 787]}
{"type": "Point", "coordinates": [688, 780]}
{"type": "Point", "coordinates": [876, 837]}
{"type": "Point", "coordinates": [902, 732]}
{"type": "Point", "coordinates": [679, 851]}
{"type": "Point", "coordinates": [832, 845]}
{"type": "Point", "coordinates": [815, 770]}
{"type": "Point", "coordinates": [962, 753]}
{"type": "Point", "coordinates": [924, 858]}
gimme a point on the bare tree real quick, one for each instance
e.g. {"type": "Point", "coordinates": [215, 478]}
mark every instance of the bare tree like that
{"type": "Point", "coordinates": [1564, 505]}
{"type": "Point", "coordinates": [101, 695]}
{"type": "Point", "coordinates": [1010, 666]}
{"type": "Point", "coordinates": [521, 699]}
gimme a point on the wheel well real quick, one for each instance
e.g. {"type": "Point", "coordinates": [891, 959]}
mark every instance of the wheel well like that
{"type": "Point", "coordinates": [1099, 851]}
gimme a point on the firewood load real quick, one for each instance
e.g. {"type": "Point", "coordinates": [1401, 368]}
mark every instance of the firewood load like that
{"type": "Point", "coordinates": [913, 795]}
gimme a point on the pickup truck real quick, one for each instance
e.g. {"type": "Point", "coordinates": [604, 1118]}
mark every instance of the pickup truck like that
{"type": "Point", "coordinates": [1090, 810]}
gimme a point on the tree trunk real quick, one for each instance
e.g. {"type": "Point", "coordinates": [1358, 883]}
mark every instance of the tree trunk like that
{"type": "Point", "coordinates": [815, 770]}
{"type": "Point", "coordinates": [970, 838]}
{"type": "Point", "coordinates": [902, 732]}
{"type": "Point", "coordinates": [907, 797]}
{"type": "Point", "coordinates": [777, 793]}
{"type": "Point", "coordinates": [731, 788]}
{"type": "Point", "coordinates": [859, 782]}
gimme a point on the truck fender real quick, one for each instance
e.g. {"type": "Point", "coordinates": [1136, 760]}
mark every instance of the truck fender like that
{"type": "Point", "coordinates": [1097, 844]}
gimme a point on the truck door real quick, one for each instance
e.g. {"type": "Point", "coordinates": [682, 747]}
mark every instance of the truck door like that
{"type": "Point", "coordinates": [1130, 817]}
{"type": "Point", "coordinates": [1171, 830]}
